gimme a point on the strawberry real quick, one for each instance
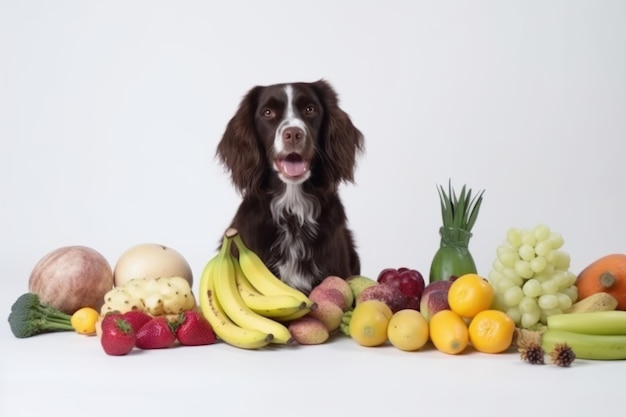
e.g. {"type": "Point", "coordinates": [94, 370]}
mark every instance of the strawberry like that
{"type": "Point", "coordinates": [156, 334]}
{"type": "Point", "coordinates": [118, 337]}
{"type": "Point", "coordinates": [137, 319]}
{"type": "Point", "coordinates": [194, 330]}
{"type": "Point", "coordinates": [110, 318]}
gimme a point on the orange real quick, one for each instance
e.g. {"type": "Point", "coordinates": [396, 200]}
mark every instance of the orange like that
{"type": "Point", "coordinates": [491, 331]}
{"type": "Point", "coordinates": [605, 274]}
{"type": "Point", "coordinates": [408, 330]}
{"type": "Point", "coordinates": [84, 320]}
{"type": "Point", "coordinates": [448, 332]}
{"type": "Point", "coordinates": [470, 294]}
{"type": "Point", "coordinates": [368, 325]}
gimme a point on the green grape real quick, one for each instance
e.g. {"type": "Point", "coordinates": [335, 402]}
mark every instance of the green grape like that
{"type": "Point", "coordinates": [541, 232]}
{"type": "Point", "coordinates": [538, 264]}
{"type": "Point", "coordinates": [498, 266]}
{"type": "Point", "coordinates": [562, 261]}
{"type": "Point", "coordinates": [530, 319]}
{"type": "Point", "coordinates": [526, 252]}
{"type": "Point", "coordinates": [528, 304]}
{"type": "Point", "coordinates": [543, 248]}
{"type": "Point", "coordinates": [563, 279]}
{"type": "Point", "coordinates": [571, 292]}
{"type": "Point", "coordinates": [523, 269]}
{"type": "Point", "coordinates": [564, 301]}
{"type": "Point", "coordinates": [532, 288]}
{"type": "Point", "coordinates": [514, 314]}
{"type": "Point", "coordinates": [507, 256]}
{"type": "Point", "coordinates": [550, 286]}
{"type": "Point", "coordinates": [528, 238]}
{"type": "Point", "coordinates": [548, 301]}
{"type": "Point", "coordinates": [513, 296]}
{"type": "Point", "coordinates": [512, 276]}
{"type": "Point", "coordinates": [556, 240]}
{"type": "Point", "coordinates": [514, 236]}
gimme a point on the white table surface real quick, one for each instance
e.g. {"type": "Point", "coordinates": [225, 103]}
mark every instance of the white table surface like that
{"type": "Point", "coordinates": [67, 374]}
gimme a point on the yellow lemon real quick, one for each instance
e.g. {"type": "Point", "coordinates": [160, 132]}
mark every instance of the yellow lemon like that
{"type": "Point", "coordinates": [408, 330]}
{"type": "Point", "coordinates": [368, 325]}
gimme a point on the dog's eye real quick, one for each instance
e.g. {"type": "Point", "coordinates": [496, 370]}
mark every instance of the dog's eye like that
{"type": "Point", "coordinates": [269, 114]}
{"type": "Point", "coordinates": [310, 110]}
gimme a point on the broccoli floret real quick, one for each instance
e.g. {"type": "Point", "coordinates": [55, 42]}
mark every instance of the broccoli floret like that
{"type": "Point", "coordinates": [29, 317]}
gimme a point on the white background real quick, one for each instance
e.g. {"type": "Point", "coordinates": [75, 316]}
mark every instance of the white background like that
{"type": "Point", "coordinates": [110, 113]}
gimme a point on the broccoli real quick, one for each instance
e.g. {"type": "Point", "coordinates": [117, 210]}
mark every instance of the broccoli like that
{"type": "Point", "coordinates": [29, 317]}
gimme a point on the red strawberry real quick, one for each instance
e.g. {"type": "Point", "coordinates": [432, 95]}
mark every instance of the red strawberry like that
{"type": "Point", "coordinates": [118, 337]}
{"type": "Point", "coordinates": [110, 318]}
{"type": "Point", "coordinates": [137, 319]}
{"type": "Point", "coordinates": [156, 334]}
{"type": "Point", "coordinates": [194, 330]}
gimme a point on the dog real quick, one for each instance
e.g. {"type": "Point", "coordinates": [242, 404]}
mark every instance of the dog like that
{"type": "Point", "coordinates": [288, 148]}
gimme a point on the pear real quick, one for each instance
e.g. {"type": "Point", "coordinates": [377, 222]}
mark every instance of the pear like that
{"type": "Point", "coordinates": [358, 283]}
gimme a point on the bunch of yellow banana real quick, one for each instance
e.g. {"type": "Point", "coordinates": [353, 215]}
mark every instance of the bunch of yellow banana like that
{"type": "Point", "coordinates": [244, 301]}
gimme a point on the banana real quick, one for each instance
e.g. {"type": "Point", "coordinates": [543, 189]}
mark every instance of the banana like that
{"type": "Point", "coordinates": [260, 276]}
{"type": "Point", "coordinates": [230, 299]}
{"type": "Point", "coordinates": [587, 346]}
{"type": "Point", "coordinates": [600, 301]}
{"type": "Point", "coordinates": [224, 328]}
{"type": "Point", "coordinates": [595, 322]}
{"type": "Point", "coordinates": [274, 306]}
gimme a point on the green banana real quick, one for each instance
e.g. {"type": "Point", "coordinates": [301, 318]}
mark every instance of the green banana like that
{"type": "Point", "coordinates": [223, 327]}
{"type": "Point", "coordinates": [587, 346]}
{"type": "Point", "coordinates": [259, 274]}
{"type": "Point", "coordinates": [232, 303]}
{"type": "Point", "coordinates": [612, 322]}
{"type": "Point", "coordinates": [273, 306]}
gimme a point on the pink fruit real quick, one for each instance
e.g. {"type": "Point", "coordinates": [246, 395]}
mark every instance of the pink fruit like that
{"type": "Point", "coordinates": [409, 281]}
{"type": "Point", "coordinates": [328, 313]}
{"type": "Point", "coordinates": [341, 285]}
{"type": "Point", "coordinates": [320, 294]}
{"type": "Point", "coordinates": [435, 298]}
{"type": "Point", "coordinates": [386, 293]}
{"type": "Point", "coordinates": [309, 331]}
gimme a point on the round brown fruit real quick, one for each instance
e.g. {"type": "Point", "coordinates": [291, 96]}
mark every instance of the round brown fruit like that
{"type": "Point", "coordinates": [72, 277]}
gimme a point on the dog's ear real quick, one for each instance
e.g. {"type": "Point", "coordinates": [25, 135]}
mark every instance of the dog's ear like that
{"type": "Point", "coordinates": [240, 150]}
{"type": "Point", "coordinates": [340, 141]}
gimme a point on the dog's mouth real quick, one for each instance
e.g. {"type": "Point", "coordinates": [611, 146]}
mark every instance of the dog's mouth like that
{"type": "Point", "coordinates": [292, 166]}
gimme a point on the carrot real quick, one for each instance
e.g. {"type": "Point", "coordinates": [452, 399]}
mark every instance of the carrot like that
{"type": "Point", "coordinates": [606, 274]}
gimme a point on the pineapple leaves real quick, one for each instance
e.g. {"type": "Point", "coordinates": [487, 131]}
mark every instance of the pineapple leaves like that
{"type": "Point", "coordinates": [459, 211]}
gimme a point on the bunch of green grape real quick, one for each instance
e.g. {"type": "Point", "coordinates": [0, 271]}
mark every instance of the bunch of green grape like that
{"type": "Point", "coordinates": [531, 277]}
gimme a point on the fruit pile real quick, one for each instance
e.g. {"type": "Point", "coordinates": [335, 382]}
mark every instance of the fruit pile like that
{"type": "Point", "coordinates": [444, 322]}
{"type": "Point", "coordinates": [531, 300]}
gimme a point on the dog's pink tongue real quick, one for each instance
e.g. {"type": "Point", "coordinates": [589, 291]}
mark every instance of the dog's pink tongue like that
{"type": "Point", "coordinates": [293, 168]}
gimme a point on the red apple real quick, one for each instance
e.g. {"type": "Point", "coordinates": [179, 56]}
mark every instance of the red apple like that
{"type": "Point", "coordinates": [409, 281]}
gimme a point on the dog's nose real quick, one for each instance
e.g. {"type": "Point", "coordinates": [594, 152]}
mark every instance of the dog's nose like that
{"type": "Point", "coordinates": [293, 135]}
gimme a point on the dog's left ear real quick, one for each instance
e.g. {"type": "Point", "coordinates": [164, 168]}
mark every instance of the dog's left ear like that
{"type": "Point", "coordinates": [240, 149]}
{"type": "Point", "coordinates": [341, 141]}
